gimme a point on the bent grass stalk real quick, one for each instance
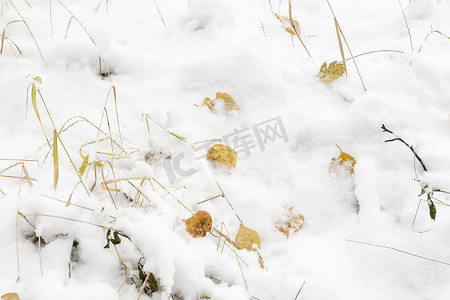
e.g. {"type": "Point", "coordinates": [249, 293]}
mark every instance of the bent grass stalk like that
{"type": "Point", "coordinates": [76, 19]}
{"type": "Point", "coordinates": [4, 33]}
{"type": "Point", "coordinates": [28, 27]}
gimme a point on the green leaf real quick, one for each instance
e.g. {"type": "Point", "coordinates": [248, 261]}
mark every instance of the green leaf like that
{"type": "Point", "coordinates": [116, 240]}
{"type": "Point", "coordinates": [423, 190]}
{"type": "Point", "coordinates": [152, 284]}
{"type": "Point", "coordinates": [432, 208]}
{"type": "Point", "coordinates": [108, 233]}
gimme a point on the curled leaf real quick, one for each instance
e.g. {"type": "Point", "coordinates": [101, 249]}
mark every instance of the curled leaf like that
{"type": "Point", "coordinates": [331, 72]}
{"type": "Point", "coordinates": [230, 104]}
{"type": "Point", "coordinates": [10, 296]}
{"type": "Point", "coordinates": [223, 154]}
{"type": "Point", "coordinates": [246, 237]}
{"type": "Point", "coordinates": [345, 160]}
{"type": "Point", "coordinates": [151, 285]}
{"type": "Point", "coordinates": [84, 165]}
{"type": "Point", "coordinates": [291, 220]}
{"type": "Point", "coordinates": [199, 224]}
{"type": "Point", "coordinates": [37, 80]}
{"type": "Point", "coordinates": [287, 25]}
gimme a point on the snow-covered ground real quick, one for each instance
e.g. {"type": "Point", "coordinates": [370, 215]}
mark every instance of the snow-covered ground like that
{"type": "Point", "coordinates": [162, 67]}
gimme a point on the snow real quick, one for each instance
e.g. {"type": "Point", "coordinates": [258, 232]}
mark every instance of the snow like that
{"type": "Point", "coordinates": [165, 70]}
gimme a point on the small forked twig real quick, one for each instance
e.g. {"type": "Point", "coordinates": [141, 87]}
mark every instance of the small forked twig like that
{"type": "Point", "coordinates": [397, 138]}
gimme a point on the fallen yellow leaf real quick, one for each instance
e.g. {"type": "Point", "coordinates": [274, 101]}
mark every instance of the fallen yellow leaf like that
{"type": "Point", "coordinates": [199, 224]}
{"type": "Point", "coordinates": [344, 159]}
{"type": "Point", "coordinates": [287, 25]}
{"type": "Point", "coordinates": [223, 154]}
{"type": "Point", "coordinates": [246, 237]}
{"type": "Point", "coordinates": [331, 72]}
{"type": "Point", "coordinates": [10, 296]}
{"type": "Point", "coordinates": [291, 220]}
{"type": "Point", "coordinates": [230, 104]}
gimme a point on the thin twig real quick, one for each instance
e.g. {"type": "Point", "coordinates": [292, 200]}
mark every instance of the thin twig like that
{"type": "Point", "coordinates": [397, 138]}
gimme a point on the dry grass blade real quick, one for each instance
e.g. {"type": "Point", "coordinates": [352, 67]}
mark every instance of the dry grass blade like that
{"type": "Point", "coordinates": [68, 26]}
{"type": "Point", "coordinates": [209, 199]}
{"type": "Point", "coordinates": [61, 142]}
{"type": "Point", "coordinates": [113, 87]}
{"type": "Point", "coordinates": [109, 127]}
{"type": "Point", "coordinates": [295, 29]}
{"type": "Point", "coordinates": [237, 260]}
{"type": "Point", "coordinates": [341, 49]}
{"type": "Point", "coordinates": [25, 218]}
{"type": "Point", "coordinates": [169, 193]}
{"type": "Point", "coordinates": [105, 184]}
{"type": "Point", "coordinates": [299, 291]}
{"type": "Point", "coordinates": [27, 176]}
{"type": "Point", "coordinates": [398, 250]}
{"type": "Point", "coordinates": [71, 194]}
{"type": "Point", "coordinates": [24, 176]}
{"type": "Point", "coordinates": [242, 224]}
{"type": "Point", "coordinates": [346, 43]}
{"type": "Point", "coordinates": [105, 112]}
{"type": "Point", "coordinates": [75, 220]}
{"type": "Point", "coordinates": [17, 246]}
{"type": "Point", "coordinates": [72, 204]}
{"type": "Point", "coordinates": [28, 27]}
{"type": "Point", "coordinates": [84, 165]}
{"type": "Point", "coordinates": [407, 26]}
{"type": "Point", "coordinates": [55, 159]}
{"type": "Point", "coordinates": [81, 24]}
{"type": "Point", "coordinates": [18, 177]}
{"type": "Point", "coordinates": [51, 18]}
{"type": "Point", "coordinates": [15, 45]}
{"type": "Point", "coordinates": [428, 35]}
{"type": "Point", "coordinates": [139, 192]}
{"type": "Point", "coordinates": [160, 15]}
{"type": "Point", "coordinates": [4, 34]}
{"type": "Point", "coordinates": [37, 79]}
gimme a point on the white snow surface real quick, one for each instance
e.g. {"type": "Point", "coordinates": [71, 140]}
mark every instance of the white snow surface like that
{"type": "Point", "coordinates": [166, 70]}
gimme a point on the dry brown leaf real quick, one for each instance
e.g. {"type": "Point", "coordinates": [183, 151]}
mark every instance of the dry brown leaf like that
{"type": "Point", "coordinates": [287, 25]}
{"type": "Point", "coordinates": [199, 224]}
{"type": "Point", "coordinates": [246, 237]}
{"type": "Point", "coordinates": [331, 72]}
{"type": "Point", "coordinates": [291, 220]}
{"type": "Point", "coordinates": [223, 154]}
{"type": "Point", "coordinates": [345, 160]}
{"type": "Point", "coordinates": [230, 104]}
{"type": "Point", "coordinates": [10, 296]}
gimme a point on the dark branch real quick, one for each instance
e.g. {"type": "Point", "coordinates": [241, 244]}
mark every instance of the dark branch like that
{"type": "Point", "coordinates": [407, 145]}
